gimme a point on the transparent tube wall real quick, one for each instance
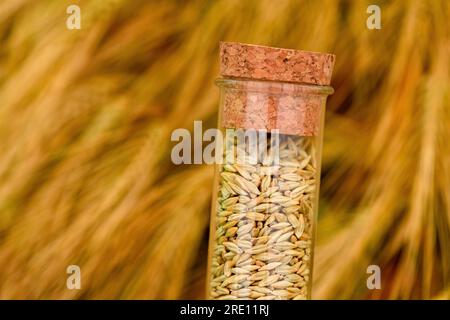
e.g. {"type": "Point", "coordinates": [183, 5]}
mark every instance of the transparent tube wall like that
{"type": "Point", "coordinates": [266, 190]}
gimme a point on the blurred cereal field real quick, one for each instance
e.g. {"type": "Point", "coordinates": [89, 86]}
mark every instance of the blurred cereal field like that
{"type": "Point", "coordinates": [86, 117]}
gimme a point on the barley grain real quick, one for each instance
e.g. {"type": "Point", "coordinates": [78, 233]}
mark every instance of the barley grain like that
{"type": "Point", "coordinates": [263, 225]}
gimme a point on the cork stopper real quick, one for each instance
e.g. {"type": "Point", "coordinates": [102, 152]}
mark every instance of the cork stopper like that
{"type": "Point", "coordinates": [273, 88]}
{"type": "Point", "coordinates": [238, 60]}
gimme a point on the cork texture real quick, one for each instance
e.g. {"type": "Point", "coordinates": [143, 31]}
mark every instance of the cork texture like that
{"type": "Point", "coordinates": [291, 102]}
{"type": "Point", "coordinates": [239, 60]}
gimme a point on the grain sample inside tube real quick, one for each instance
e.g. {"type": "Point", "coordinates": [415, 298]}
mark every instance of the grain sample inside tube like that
{"type": "Point", "coordinates": [266, 189]}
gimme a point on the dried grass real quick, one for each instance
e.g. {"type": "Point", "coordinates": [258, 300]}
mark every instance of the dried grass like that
{"type": "Point", "coordinates": [85, 123]}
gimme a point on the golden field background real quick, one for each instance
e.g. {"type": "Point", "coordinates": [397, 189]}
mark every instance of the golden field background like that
{"type": "Point", "coordinates": [85, 123]}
